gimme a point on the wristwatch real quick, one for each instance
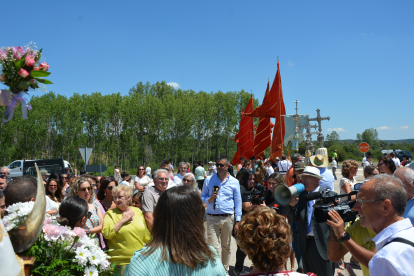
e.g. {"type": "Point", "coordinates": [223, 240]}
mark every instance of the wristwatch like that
{"type": "Point", "coordinates": [89, 231]}
{"type": "Point", "coordinates": [344, 237]}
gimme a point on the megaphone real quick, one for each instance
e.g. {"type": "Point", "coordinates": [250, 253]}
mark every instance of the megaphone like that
{"type": "Point", "coordinates": [283, 194]}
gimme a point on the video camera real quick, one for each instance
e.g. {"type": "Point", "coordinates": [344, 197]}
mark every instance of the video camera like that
{"type": "Point", "coordinates": [259, 194]}
{"type": "Point", "coordinates": [323, 205]}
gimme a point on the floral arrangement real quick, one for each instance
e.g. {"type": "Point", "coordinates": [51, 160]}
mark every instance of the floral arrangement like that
{"type": "Point", "coordinates": [17, 214]}
{"type": "Point", "coordinates": [60, 250]}
{"type": "Point", "coordinates": [21, 69]}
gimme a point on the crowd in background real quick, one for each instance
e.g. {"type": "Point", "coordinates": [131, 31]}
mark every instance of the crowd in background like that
{"type": "Point", "coordinates": [182, 224]}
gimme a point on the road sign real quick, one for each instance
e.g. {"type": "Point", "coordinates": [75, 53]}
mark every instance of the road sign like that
{"type": "Point", "coordinates": [95, 168]}
{"type": "Point", "coordinates": [363, 147]}
{"type": "Point", "coordinates": [86, 153]}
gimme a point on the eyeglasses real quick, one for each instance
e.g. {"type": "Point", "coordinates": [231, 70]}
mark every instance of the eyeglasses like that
{"type": "Point", "coordinates": [117, 197]}
{"type": "Point", "coordinates": [141, 169]}
{"type": "Point", "coordinates": [183, 168]}
{"type": "Point", "coordinates": [110, 187]}
{"type": "Point", "coordinates": [3, 173]}
{"type": "Point", "coordinates": [187, 180]}
{"type": "Point", "coordinates": [84, 189]}
{"type": "Point", "coordinates": [272, 183]}
{"type": "Point", "coordinates": [220, 165]}
{"type": "Point", "coordinates": [361, 202]}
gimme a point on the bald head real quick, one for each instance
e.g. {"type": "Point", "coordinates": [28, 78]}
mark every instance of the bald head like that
{"type": "Point", "coordinates": [406, 175]}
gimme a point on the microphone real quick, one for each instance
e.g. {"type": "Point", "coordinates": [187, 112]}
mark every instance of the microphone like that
{"type": "Point", "coordinates": [215, 190]}
{"type": "Point", "coordinates": [313, 196]}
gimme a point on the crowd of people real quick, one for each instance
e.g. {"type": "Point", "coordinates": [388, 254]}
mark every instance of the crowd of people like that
{"type": "Point", "coordinates": [164, 224]}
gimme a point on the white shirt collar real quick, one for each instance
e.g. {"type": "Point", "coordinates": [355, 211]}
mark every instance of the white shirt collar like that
{"type": "Point", "coordinates": [391, 230]}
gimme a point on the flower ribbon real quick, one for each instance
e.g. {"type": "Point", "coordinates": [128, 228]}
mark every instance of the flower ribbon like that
{"type": "Point", "coordinates": [10, 108]}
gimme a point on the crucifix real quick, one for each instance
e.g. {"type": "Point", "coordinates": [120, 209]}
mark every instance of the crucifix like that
{"type": "Point", "coordinates": [319, 119]}
{"type": "Point", "coordinates": [308, 143]}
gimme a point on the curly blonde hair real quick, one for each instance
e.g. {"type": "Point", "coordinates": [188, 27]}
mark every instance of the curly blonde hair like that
{"type": "Point", "coordinates": [76, 185]}
{"type": "Point", "coordinates": [123, 188]}
{"type": "Point", "coordinates": [347, 166]}
{"type": "Point", "coordinates": [265, 236]}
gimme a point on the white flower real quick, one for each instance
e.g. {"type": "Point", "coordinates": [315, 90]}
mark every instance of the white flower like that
{"type": "Point", "coordinates": [82, 255]}
{"type": "Point", "coordinates": [86, 241]}
{"type": "Point", "coordinates": [95, 257]}
{"type": "Point", "coordinates": [17, 214]}
{"type": "Point", "coordinates": [91, 271]}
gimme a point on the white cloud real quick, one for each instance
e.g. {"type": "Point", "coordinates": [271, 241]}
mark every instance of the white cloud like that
{"type": "Point", "coordinates": [404, 127]}
{"type": "Point", "coordinates": [174, 84]}
{"type": "Point", "coordinates": [384, 128]}
{"type": "Point", "coordinates": [290, 63]}
{"type": "Point", "coordinates": [339, 129]}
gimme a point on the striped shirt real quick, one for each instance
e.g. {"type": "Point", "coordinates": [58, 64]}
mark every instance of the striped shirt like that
{"type": "Point", "coordinates": [152, 266]}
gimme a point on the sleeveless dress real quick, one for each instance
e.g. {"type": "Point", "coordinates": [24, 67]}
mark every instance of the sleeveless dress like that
{"type": "Point", "coordinates": [93, 221]}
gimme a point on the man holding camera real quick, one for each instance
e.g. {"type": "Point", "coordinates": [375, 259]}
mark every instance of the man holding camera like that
{"type": "Point", "coordinates": [312, 236]}
{"type": "Point", "coordinates": [354, 238]}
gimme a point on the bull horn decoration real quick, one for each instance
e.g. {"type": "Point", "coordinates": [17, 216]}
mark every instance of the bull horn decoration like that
{"type": "Point", "coordinates": [26, 234]}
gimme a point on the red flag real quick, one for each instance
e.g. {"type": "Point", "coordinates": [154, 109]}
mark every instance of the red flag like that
{"type": "Point", "coordinates": [270, 106]}
{"type": "Point", "coordinates": [245, 136]}
{"type": "Point", "coordinates": [263, 137]}
{"type": "Point", "coordinates": [279, 110]}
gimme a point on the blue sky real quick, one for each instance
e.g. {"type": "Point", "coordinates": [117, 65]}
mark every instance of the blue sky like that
{"type": "Point", "coordinates": [351, 59]}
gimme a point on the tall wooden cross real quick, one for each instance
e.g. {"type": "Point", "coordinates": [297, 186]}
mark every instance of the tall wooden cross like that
{"type": "Point", "coordinates": [319, 119]}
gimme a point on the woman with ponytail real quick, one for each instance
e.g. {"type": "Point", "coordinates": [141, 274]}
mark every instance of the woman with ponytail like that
{"type": "Point", "coordinates": [73, 212]}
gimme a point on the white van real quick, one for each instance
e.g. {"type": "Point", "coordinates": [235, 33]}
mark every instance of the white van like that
{"type": "Point", "coordinates": [16, 167]}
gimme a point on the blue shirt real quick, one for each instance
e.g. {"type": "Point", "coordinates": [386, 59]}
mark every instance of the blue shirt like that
{"type": "Point", "coordinates": [409, 211]}
{"type": "Point", "coordinates": [143, 265]}
{"type": "Point", "coordinates": [229, 198]}
{"type": "Point", "coordinates": [327, 182]}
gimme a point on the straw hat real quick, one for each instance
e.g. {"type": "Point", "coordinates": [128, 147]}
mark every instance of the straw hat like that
{"type": "Point", "coordinates": [319, 161]}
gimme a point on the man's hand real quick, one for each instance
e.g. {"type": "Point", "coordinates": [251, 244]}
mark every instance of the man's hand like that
{"type": "Point", "coordinates": [236, 228]}
{"type": "Point", "coordinates": [213, 197]}
{"type": "Point", "coordinates": [294, 201]}
{"type": "Point", "coordinates": [337, 223]}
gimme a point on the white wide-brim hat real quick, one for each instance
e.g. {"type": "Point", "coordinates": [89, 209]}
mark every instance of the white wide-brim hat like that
{"type": "Point", "coordinates": [312, 171]}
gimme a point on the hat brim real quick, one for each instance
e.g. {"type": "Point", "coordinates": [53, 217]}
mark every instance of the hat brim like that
{"type": "Point", "coordinates": [323, 165]}
{"type": "Point", "coordinates": [311, 174]}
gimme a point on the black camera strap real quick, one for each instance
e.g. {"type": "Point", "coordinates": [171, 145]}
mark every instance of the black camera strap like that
{"type": "Point", "coordinates": [402, 240]}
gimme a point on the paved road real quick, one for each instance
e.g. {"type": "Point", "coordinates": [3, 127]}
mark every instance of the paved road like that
{"type": "Point", "coordinates": [248, 263]}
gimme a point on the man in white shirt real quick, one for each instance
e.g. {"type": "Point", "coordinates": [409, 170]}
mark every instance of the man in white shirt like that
{"type": "Point", "coordinates": [381, 202]}
{"type": "Point", "coordinates": [284, 166]}
{"type": "Point", "coordinates": [368, 161]}
{"type": "Point", "coordinates": [148, 170]}
{"type": "Point", "coordinates": [183, 170]}
{"type": "Point", "coordinates": [395, 159]}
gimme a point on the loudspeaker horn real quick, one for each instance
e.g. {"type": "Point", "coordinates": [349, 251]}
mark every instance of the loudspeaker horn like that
{"type": "Point", "coordinates": [283, 194]}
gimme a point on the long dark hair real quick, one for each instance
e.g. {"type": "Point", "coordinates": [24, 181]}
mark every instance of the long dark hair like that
{"type": "Point", "coordinates": [72, 210]}
{"type": "Point", "coordinates": [104, 184]}
{"type": "Point", "coordinates": [58, 193]}
{"type": "Point", "coordinates": [178, 226]}
{"type": "Point", "coordinates": [245, 178]}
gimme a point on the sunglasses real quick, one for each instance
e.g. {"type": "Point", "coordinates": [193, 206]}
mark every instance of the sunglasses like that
{"type": "Point", "coordinates": [220, 165]}
{"type": "Point", "coordinates": [64, 177]}
{"type": "Point", "coordinates": [187, 180]}
{"type": "Point", "coordinates": [89, 215]}
{"type": "Point", "coordinates": [84, 189]}
{"type": "Point", "coordinates": [110, 188]}
{"type": "Point", "coordinates": [3, 173]}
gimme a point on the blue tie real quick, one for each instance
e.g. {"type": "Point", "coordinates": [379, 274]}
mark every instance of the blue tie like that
{"type": "Point", "coordinates": [310, 211]}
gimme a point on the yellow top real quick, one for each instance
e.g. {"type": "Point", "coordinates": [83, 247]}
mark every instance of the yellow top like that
{"type": "Point", "coordinates": [362, 236]}
{"type": "Point", "coordinates": [130, 237]}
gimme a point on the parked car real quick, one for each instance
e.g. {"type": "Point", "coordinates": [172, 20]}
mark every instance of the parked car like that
{"type": "Point", "coordinates": [402, 152]}
{"type": "Point", "coordinates": [26, 167]}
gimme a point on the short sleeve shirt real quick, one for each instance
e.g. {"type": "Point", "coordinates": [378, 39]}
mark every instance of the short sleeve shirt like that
{"type": "Point", "coordinates": [199, 172]}
{"type": "Point", "coordinates": [150, 199]}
